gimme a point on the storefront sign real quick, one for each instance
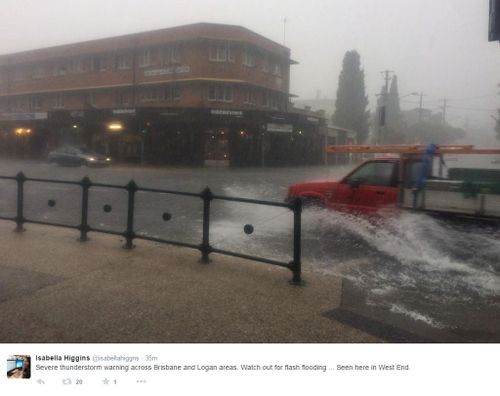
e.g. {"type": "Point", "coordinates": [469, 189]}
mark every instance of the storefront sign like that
{"type": "Point", "coordinates": [167, 70]}
{"type": "Point", "coordinates": [231, 113]}
{"type": "Point", "coordinates": [279, 117]}
{"type": "Point", "coordinates": [282, 128]}
{"type": "Point", "coordinates": [169, 114]}
{"type": "Point", "coordinates": [313, 120]}
{"type": "Point", "coordinates": [23, 116]}
{"type": "Point", "coordinates": [124, 111]}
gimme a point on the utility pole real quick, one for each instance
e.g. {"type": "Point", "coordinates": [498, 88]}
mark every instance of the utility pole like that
{"type": "Point", "coordinates": [382, 113]}
{"type": "Point", "coordinates": [284, 30]}
{"type": "Point", "coordinates": [420, 107]}
{"type": "Point", "coordinates": [444, 111]}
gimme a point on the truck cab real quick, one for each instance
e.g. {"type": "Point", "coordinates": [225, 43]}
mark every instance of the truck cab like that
{"type": "Point", "coordinates": [370, 187]}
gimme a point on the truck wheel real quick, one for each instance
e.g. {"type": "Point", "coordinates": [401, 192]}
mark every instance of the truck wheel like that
{"type": "Point", "coordinates": [311, 202]}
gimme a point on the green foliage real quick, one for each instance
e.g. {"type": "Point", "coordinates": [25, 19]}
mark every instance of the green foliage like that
{"type": "Point", "coordinates": [351, 104]}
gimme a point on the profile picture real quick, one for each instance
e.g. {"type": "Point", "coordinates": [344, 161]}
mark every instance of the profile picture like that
{"type": "Point", "coordinates": [18, 366]}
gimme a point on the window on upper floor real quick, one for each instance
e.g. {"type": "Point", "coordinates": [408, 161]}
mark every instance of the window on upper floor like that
{"type": "Point", "coordinates": [265, 99]}
{"type": "Point", "coordinates": [170, 54]}
{"type": "Point", "coordinates": [60, 69]}
{"type": "Point", "coordinates": [220, 93]}
{"type": "Point", "coordinates": [37, 72]}
{"type": "Point", "coordinates": [144, 57]}
{"type": "Point", "coordinates": [19, 74]}
{"type": "Point", "coordinates": [123, 61]}
{"type": "Point", "coordinates": [148, 95]}
{"type": "Point", "coordinates": [18, 104]}
{"type": "Point", "coordinates": [265, 65]}
{"type": "Point", "coordinates": [59, 101]}
{"type": "Point", "coordinates": [248, 58]}
{"type": "Point", "coordinates": [220, 51]}
{"type": "Point", "coordinates": [123, 98]}
{"type": "Point", "coordinates": [98, 63]}
{"type": "Point", "coordinates": [249, 97]}
{"type": "Point", "coordinates": [277, 69]}
{"type": "Point", "coordinates": [35, 102]}
{"type": "Point", "coordinates": [89, 99]}
{"type": "Point", "coordinates": [274, 102]}
{"type": "Point", "coordinates": [171, 93]}
{"type": "Point", "coordinates": [76, 66]}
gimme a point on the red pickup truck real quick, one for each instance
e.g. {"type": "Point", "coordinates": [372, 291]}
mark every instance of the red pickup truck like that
{"type": "Point", "coordinates": [370, 187]}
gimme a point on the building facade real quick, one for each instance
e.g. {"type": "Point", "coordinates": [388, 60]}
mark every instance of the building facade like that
{"type": "Point", "coordinates": [195, 94]}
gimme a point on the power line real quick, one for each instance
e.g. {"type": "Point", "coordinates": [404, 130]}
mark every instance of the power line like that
{"type": "Point", "coordinates": [470, 108]}
{"type": "Point", "coordinates": [475, 97]}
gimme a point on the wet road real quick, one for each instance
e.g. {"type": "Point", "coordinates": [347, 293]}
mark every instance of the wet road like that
{"type": "Point", "coordinates": [430, 272]}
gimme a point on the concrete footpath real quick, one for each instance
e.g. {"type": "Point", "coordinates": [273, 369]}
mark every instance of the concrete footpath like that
{"type": "Point", "coordinates": [56, 289]}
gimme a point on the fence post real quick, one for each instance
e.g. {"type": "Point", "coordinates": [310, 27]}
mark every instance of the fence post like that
{"type": "Point", "coordinates": [20, 178]}
{"type": "Point", "coordinates": [129, 234]}
{"type": "Point", "coordinates": [205, 247]}
{"type": "Point", "coordinates": [296, 264]}
{"type": "Point", "coordinates": [84, 227]}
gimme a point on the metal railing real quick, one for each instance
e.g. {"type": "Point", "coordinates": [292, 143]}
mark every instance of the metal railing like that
{"type": "Point", "coordinates": [129, 234]}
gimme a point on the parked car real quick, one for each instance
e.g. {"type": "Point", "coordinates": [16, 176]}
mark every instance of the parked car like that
{"type": "Point", "coordinates": [77, 156]}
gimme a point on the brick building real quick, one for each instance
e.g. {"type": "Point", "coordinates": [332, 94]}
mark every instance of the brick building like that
{"type": "Point", "coordinates": [192, 94]}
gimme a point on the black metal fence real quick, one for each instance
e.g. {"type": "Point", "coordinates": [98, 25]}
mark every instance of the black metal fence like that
{"type": "Point", "coordinates": [129, 234]}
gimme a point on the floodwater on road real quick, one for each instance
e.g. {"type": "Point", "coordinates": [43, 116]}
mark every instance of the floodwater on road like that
{"type": "Point", "coordinates": [444, 275]}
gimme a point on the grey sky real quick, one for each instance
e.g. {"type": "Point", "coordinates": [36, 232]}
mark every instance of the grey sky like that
{"type": "Point", "coordinates": [438, 47]}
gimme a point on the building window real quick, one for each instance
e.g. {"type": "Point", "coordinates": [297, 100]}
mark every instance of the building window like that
{"type": "Point", "coordinates": [274, 102]}
{"type": "Point", "coordinates": [248, 58]}
{"type": "Point", "coordinates": [145, 58]}
{"type": "Point", "coordinates": [265, 65]}
{"type": "Point", "coordinates": [60, 69]}
{"type": "Point", "coordinates": [277, 69]}
{"type": "Point", "coordinates": [220, 93]}
{"type": "Point", "coordinates": [123, 61]}
{"type": "Point", "coordinates": [220, 52]}
{"type": "Point", "coordinates": [249, 97]}
{"type": "Point", "coordinates": [265, 99]}
{"type": "Point", "coordinates": [19, 73]}
{"type": "Point", "coordinates": [38, 72]}
{"type": "Point", "coordinates": [35, 103]}
{"type": "Point", "coordinates": [76, 66]}
{"type": "Point", "coordinates": [122, 98]}
{"type": "Point", "coordinates": [18, 104]}
{"type": "Point", "coordinates": [59, 101]}
{"type": "Point", "coordinates": [90, 99]}
{"type": "Point", "coordinates": [170, 54]}
{"type": "Point", "coordinates": [148, 95]}
{"type": "Point", "coordinates": [171, 93]}
{"type": "Point", "coordinates": [98, 63]}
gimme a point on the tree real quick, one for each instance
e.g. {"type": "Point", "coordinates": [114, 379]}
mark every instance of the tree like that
{"type": "Point", "coordinates": [393, 111]}
{"type": "Point", "coordinates": [393, 128]}
{"type": "Point", "coordinates": [351, 102]}
{"type": "Point", "coordinates": [497, 127]}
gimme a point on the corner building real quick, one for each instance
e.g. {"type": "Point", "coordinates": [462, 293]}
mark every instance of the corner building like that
{"type": "Point", "coordinates": [194, 95]}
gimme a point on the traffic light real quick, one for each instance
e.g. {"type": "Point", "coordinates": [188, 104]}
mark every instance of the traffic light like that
{"type": "Point", "coordinates": [494, 29]}
{"type": "Point", "coordinates": [144, 129]}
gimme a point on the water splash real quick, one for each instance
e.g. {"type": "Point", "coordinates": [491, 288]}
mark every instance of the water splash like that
{"type": "Point", "coordinates": [411, 264]}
